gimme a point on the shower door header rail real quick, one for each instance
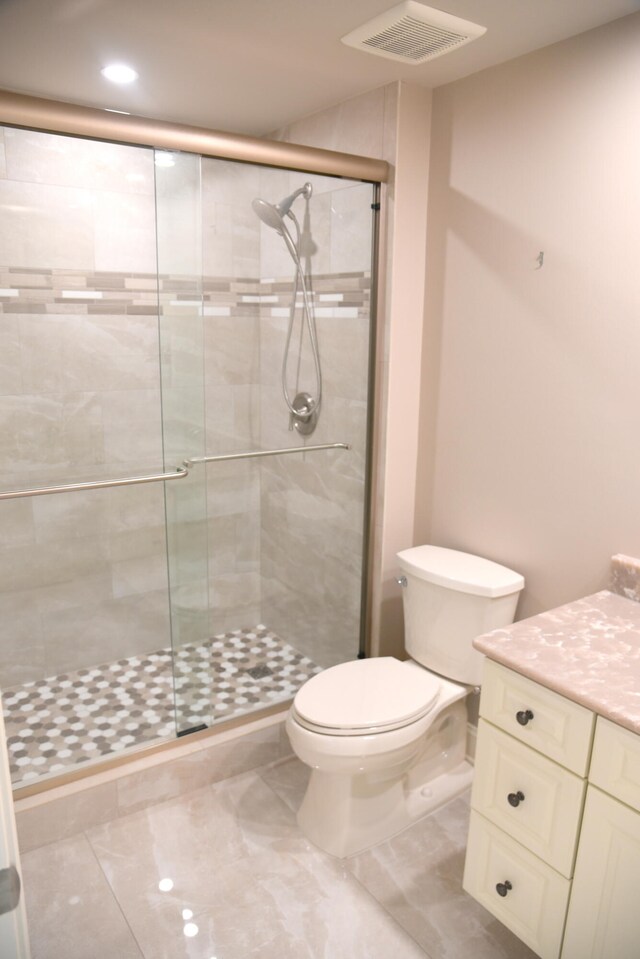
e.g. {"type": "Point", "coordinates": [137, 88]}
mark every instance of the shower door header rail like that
{"type": "Point", "coordinates": [53, 116]}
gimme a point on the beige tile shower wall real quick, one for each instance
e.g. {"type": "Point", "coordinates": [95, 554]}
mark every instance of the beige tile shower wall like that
{"type": "Point", "coordinates": [312, 504]}
{"type": "Point", "coordinates": [83, 575]}
{"type": "Point", "coordinates": [535, 459]}
{"type": "Point", "coordinates": [391, 123]}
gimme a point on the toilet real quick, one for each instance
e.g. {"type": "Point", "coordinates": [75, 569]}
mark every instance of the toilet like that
{"type": "Point", "coordinates": [385, 738]}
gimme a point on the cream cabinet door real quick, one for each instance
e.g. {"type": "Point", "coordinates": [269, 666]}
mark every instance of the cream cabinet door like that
{"type": "Point", "coordinates": [615, 763]}
{"type": "Point", "coordinates": [604, 911]}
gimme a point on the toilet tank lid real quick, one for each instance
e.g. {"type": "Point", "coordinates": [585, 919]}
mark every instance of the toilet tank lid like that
{"type": "Point", "coordinates": [460, 571]}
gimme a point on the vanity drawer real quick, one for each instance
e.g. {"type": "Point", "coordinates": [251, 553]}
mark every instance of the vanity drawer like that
{"type": "Point", "coordinates": [537, 716]}
{"type": "Point", "coordinates": [615, 764]}
{"type": "Point", "coordinates": [520, 890]}
{"type": "Point", "coordinates": [528, 796]}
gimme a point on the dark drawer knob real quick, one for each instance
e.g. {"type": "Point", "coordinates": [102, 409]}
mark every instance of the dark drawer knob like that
{"type": "Point", "coordinates": [515, 798]}
{"type": "Point", "coordinates": [503, 888]}
{"type": "Point", "coordinates": [524, 716]}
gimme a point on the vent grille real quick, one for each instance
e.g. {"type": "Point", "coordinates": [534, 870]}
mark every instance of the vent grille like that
{"type": "Point", "coordinates": [414, 39]}
{"type": "Point", "coordinates": [413, 33]}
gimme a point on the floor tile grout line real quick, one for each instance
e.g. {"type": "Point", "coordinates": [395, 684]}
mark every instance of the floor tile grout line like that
{"type": "Point", "coordinates": [258, 771]}
{"type": "Point", "coordinates": [384, 909]}
{"type": "Point", "coordinates": [143, 955]}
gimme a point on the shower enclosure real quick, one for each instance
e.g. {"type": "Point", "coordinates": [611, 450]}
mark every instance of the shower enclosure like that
{"type": "Point", "coordinates": [184, 416]}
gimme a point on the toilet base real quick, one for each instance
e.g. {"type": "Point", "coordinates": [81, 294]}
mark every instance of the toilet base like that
{"type": "Point", "coordinates": [329, 837]}
{"type": "Point", "coordinates": [345, 814]}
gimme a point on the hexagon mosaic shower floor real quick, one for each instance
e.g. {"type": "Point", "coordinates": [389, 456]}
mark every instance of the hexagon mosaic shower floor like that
{"type": "Point", "coordinates": [63, 720]}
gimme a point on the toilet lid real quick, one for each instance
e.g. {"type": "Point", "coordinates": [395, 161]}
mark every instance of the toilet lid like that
{"type": "Point", "coordinates": [366, 695]}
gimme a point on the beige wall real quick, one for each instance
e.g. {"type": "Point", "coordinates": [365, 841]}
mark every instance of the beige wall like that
{"type": "Point", "coordinates": [390, 123]}
{"type": "Point", "coordinates": [531, 408]}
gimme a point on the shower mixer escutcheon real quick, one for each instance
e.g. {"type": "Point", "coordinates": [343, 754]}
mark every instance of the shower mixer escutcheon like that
{"type": "Point", "coordinates": [304, 414]}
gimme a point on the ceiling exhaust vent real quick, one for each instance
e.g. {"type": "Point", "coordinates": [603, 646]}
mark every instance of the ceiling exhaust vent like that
{"type": "Point", "coordinates": [413, 33]}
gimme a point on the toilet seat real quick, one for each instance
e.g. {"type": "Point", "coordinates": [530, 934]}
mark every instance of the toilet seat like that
{"type": "Point", "coordinates": [365, 696]}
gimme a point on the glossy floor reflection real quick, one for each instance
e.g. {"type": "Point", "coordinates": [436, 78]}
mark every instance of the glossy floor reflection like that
{"type": "Point", "coordinates": [224, 873]}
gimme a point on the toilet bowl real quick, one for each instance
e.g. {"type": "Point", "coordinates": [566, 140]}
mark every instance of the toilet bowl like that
{"type": "Point", "coordinates": [386, 739]}
{"type": "Point", "coordinates": [359, 792]}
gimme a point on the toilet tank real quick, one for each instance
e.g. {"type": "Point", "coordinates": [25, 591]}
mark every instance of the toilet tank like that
{"type": "Point", "coordinates": [450, 598]}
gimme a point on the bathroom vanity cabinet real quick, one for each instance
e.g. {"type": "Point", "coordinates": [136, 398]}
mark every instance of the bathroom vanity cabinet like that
{"type": "Point", "coordinates": [554, 840]}
{"type": "Point", "coordinates": [604, 910]}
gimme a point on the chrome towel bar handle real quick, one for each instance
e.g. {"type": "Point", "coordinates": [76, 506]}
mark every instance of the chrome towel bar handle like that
{"type": "Point", "coordinates": [254, 454]}
{"type": "Point", "coordinates": [179, 473]}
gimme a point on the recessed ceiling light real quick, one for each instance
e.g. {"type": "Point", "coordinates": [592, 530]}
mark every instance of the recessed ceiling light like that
{"type": "Point", "coordinates": [119, 73]}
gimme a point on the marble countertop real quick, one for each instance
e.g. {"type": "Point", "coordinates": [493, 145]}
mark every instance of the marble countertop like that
{"type": "Point", "coordinates": [588, 651]}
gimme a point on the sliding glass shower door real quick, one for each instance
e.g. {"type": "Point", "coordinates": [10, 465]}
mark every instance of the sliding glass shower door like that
{"type": "Point", "coordinates": [85, 633]}
{"type": "Point", "coordinates": [184, 413]}
{"type": "Point", "coordinates": [286, 324]}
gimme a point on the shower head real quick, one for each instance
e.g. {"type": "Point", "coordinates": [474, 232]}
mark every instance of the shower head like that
{"type": "Point", "coordinates": [273, 214]}
{"type": "Point", "coordinates": [269, 214]}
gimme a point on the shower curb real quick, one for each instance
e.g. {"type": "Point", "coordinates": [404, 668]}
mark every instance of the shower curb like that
{"type": "Point", "coordinates": [66, 810]}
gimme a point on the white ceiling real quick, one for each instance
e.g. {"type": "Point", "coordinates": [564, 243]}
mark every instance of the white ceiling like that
{"type": "Point", "coordinates": [251, 66]}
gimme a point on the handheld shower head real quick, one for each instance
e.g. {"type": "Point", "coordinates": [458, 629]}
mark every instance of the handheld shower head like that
{"type": "Point", "coordinates": [269, 214]}
{"type": "Point", "coordinates": [273, 214]}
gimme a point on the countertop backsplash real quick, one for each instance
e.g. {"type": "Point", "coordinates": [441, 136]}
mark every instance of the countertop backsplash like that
{"type": "Point", "coordinates": [625, 576]}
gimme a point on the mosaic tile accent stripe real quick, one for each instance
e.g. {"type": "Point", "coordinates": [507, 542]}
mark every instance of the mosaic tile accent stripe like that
{"type": "Point", "coordinates": [31, 290]}
{"type": "Point", "coordinates": [64, 720]}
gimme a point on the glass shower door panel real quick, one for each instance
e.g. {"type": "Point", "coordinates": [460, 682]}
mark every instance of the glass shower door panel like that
{"type": "Point", "coordinates": [178, 197]}
{"type": "Point", "coordinates": [84, 619]}
{"type": "Point", "coordinates": [287, 257]}
{"type": "Point", "coordinates": [313, 505]}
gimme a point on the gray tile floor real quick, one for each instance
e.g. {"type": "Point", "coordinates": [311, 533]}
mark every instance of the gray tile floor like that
{"type": "Point", "coordinates": [224, 873]}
